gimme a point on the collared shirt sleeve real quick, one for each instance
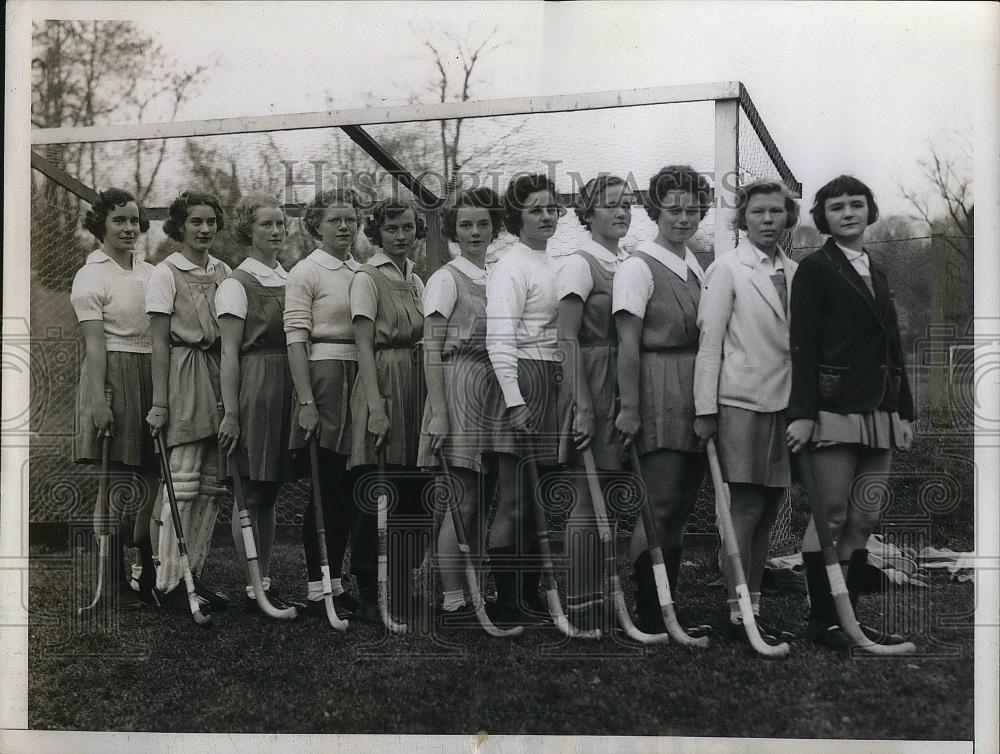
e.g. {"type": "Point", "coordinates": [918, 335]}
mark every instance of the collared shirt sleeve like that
{"type": "Point", "coordinates": [231, 298]}
{"type": "Point", "coordinates": [299, 294]}
{"type": "Point", "coordinates": [441, 294]}
{"type": "Point", "coordinates": [89, 294]}
{"type": "Point", "coordinates": [160, 290]}
{"type": "Point", "coordinates": [364, 296]}
{"type": "Point", "coordinates": [506, 293]}
{"type": "Point", "coordinates": [632, 288]}
{"type": "Point", "coordinates": [574, 278]}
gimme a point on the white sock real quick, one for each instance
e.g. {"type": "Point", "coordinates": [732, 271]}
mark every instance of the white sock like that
{"type": "Point", "coordinates": [337, 587]}
{"type": "Point", "coordinates": [755, 602]}
{"type": "Point", "coordinates": [250, 592]}
{"type": "Point", "coordinates": [453, 600]}
{"type": "Point", "coordinates": [266, 583]}
{"type": "Point", "coordinates": [315, 591]}
{"type": "Point", "coordinates": [734, 612]}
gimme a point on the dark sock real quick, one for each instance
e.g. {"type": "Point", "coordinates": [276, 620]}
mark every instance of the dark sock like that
{"type": "Point", "coordinates": [646, 601]}
{"type": "Point", "coordinates": [821, 605]}
{"type": "Point", "coordinates": [856, 567]}
{"type": "Point", "coordinates": [672, 562]}
{"type": "Point", "coordinates": [502, 563]}
{"type": "Point", "coordinates": [147, 578]}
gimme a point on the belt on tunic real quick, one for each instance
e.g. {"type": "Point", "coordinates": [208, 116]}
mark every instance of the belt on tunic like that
{"type": "Point", "coordinates": [670, 349]}
{"type": "Point", "coordinates": [265, 350]}
{"type": "Point", "coordinates": [215, 348]}
{"type": "Point", "coordinates": [334, 341]}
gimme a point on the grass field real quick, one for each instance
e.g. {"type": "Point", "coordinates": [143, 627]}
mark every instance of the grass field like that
{"type": "Point", "coordinates": [160, 672]}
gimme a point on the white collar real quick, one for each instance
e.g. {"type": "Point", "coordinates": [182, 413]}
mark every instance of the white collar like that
{"type": "Point", "coordinates": [523, 247]}
{"type": "Point", "coordinates": [260, 270]}
{"type": "Point", "coordinates": [853, 256]}
{"type": "Point", "coordinates": [325, 259]}
{"type": "Point", "coordinates": [673, 262]}
{"type": "Point", "coordinates": [181, 262]}
{"type": "Point", "coordinates": [470, 270]}
{"type": "Point", "coordinates": [380, 259]}
{"type": "Point", "coordinates": [97, 256]}
{"type": "Point", "coordinates": [609, 260]}
{"type": "Point", "coordinates": [762, 257]}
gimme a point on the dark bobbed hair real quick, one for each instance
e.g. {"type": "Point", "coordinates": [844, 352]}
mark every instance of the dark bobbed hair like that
{"type": "Point", "coordinates": [593, 190]}
{"type": "Point", "coordinates": [177, 213]}
{"type": "Point", "coordinates": [518, 191]}
{"type": "Point", "coordinates": [764, 186]}
{"type": "Point", "coordinates": [96, 219]}
{"type": "Point", "coordinates": [390, 209]}
{"type": "Point", "coordinates": [246, 209]}
{"type": "Point", "coordinates": [842, 184]}
{"type": "Point", "coordinates": [678, 178]}
{"type": "Point", "coordinates": [480, 197]}
{"type": "Point", "coordinates": [334, 197]}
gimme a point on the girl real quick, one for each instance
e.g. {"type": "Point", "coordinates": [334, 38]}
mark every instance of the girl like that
{"type": "Point", "coordinates": [589, 344]}
{"type": "Point", "coordinates": [655, 303]}
{"type": "Point", "coordinates": [185, 336]}
{"type": "Point", "coordinates": [324, 366]}
{"type": "Point", "coordinates": [522, 339]}
{"type": "Point", "coordinates": [116, 391]}
{"type": "Point", "coordinates": [256, 386]}
{"type": "Point", "coordinates": [850, 401]}
{"type": "Point", "coordinates": [458, 375]}
{"type": "Point", "coordinates": [388, 396]}
{"type": "Point", "coordinates": [742, 377]}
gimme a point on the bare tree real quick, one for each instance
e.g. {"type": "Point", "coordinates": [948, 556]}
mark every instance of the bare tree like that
{"type": "Point", "coordinates": [947, 170]}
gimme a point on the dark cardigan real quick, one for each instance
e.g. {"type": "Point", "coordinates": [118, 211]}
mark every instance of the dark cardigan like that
{"type": "Point", "coordinates": [847, 356]}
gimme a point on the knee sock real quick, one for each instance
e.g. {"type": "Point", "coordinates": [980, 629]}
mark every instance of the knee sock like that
{"type": "Point", "coordinates": [502, 563]}
{"type": "Point", "coordinates": [855, 574]}
{"type": "Point", "coordinates": [821, 605]}
{"type": "Point", "coordinates": [646, 600]}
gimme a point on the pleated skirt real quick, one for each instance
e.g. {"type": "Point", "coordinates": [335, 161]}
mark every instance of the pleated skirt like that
{"type": "Point", "coordinates": [129, 378]}
{"type": "Point", "coordinates": [752, 447]}
{"type": "Point", "coordinates": [332, 382]}
{"type": "Point", "coordinates": [401, 383]}
{"type": "Point", "coordinates": [666, 402]}
{"type": "Point", "coordinates": [265, 418]}
{"type": "Point", "coordinates": [539, 383]}
{"type": "Point", "coordinates": [598, 364]}
{"type": "Point", "coordinates": [468, 379]}
{"type": "Point", "coordinates": [873, 429]}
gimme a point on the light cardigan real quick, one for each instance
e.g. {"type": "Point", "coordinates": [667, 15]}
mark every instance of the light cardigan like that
{"type": "Point", "coordinates": [744, 359]}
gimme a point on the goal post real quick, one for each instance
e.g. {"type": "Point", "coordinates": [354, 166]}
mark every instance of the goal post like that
{"type": "Point", "coordinates": [420, 151]}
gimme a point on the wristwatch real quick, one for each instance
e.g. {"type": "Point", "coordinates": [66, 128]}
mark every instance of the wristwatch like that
{"type": "Point", "coordinates": [305, 403]}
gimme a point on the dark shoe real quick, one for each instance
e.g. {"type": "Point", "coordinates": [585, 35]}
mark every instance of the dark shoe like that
{"type": "Point", "coordinates": [216, 600]}
{"type": "Point", "coordinates": [779, 634]}
{"type": "Point", "coordinates": [504, 615]}
{"type": "Point", "coordinates": [737, 632]}
{"type": "Point", "coordinates": [461, 619]}
{"type": "Point", "coordinates": [369, 613]}
{"type": "Point", "coordinates": [879, 636]}
{"type": "Point", "coordinates": [832, 636]}
{"type": "Point", "coordinates": [346, 604]}
{"type": "Point", "coordinates": [176, 600]}
{"type": "Point", "coordinates": [282, 603]}
{"type": "Point", "coordinates": [316, 609]}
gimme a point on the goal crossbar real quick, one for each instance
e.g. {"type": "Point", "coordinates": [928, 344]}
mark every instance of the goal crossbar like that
{"type": "Point", "coordinates": [367, 116]}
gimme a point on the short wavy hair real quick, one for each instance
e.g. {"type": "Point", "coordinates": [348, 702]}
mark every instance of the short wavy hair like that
{"type": "Point", "coordinates": [246, 210]}
{"type": "Point", "coordinates": [96, 218]}
{"type": "Point", "coordinates": [842, 184]}
{"type": "Point", "coordinates": [390, 209]}
{"type": "Point", "coordinates": [764, 186]}
{"type": "Point", "coordinates": [177, 213]}
{"type": "Point", "coordinates": [334, 197]}
{"type": "Point", "coordinates": [677, 178]}
{"type": "Point", "coordinates": [518, 191]}
{"type": "Point", "coordinates": [480, 197]}
{"type": "Point", "coordinates": [591, 192]}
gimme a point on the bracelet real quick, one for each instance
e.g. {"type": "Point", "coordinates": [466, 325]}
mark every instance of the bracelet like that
{"type": "Point", "coordinates": [305, 403]}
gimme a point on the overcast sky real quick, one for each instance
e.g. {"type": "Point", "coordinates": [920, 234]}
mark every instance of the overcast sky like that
{"type": "Point", "coordinates": [856, 88]}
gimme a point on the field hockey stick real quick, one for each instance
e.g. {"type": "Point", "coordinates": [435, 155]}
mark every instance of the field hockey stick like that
{"type": "Point", "coordinates": [383, 553]}
{"type": "Point", "coordinates": [104, 538]}
{"type": "Point", "coordinates": [610, 566]}
{"type": "Point", "coordinates": [340, 624]}
{"type": "Point", "coordinates": [471, 578]}
{"type": "Point", "coordinates": [168, 482]}
{"type": "Point", "coordinates": [250, 548]}
{"type": "Point", "coordinates": [723, 509]}
{"type": "Point", "coordinates": [674, 628]}
{"type": "Point", "coordinates": [838, 587]}
{"type": "Point", "coordinates": [548, 570]}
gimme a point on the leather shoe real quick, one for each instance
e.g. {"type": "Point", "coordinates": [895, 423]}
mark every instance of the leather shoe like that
{"type": "Point", "coordinates": [818, 632]}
